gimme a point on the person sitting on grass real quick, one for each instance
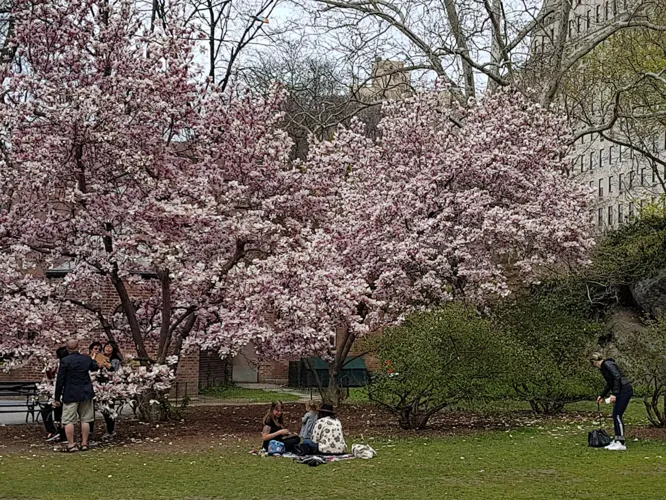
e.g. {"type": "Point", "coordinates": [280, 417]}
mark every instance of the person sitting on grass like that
{"type": "Point", "coordinates": [327, 438]}
{"type": "Point", "coordinates": [621, 391]}
{"type": "Point", "coordinates": [309, 419]}
{"type": "Point", "coordinates": [275, 429]}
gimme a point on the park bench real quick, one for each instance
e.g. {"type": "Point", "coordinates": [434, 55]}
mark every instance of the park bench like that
{"type": "Point", "coordinates": [18, 397]}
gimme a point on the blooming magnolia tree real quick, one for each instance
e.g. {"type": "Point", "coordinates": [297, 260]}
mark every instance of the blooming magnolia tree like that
{"type": "Point", "coordinates": [450, 203]}
{"type": "Point", "coordinates": [132, 176]}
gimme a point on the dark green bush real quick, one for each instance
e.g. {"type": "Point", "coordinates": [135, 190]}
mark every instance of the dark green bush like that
{"type": "Point", "coordinates": [434, 359]}
{"type": "Point", "coordinates": [546, 339]}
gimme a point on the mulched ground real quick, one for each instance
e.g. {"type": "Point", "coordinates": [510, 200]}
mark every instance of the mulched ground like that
{"type": "Point", "coordinates": [218, 426]}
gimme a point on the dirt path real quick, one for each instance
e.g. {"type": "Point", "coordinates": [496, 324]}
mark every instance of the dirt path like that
{"type": "Point", "coordinates": [205, 427]}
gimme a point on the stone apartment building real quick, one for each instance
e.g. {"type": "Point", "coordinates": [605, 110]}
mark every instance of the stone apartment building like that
{"type": "Point", "coordinates": [622, 179]}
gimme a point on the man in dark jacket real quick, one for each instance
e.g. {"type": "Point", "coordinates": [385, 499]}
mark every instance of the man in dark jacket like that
{"type": "Point", "coordinates": [74, 388]}
{"type": "Point", "coordinates": [621, 391]}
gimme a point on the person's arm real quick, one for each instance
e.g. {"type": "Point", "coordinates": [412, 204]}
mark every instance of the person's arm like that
{"type": "Point", "coordinates": [266, 434]}
{"type": "Point", "coordinates": [60, 381]}
{"type": "Point", "coordinates": [316, 433]}
{"type": "Point", "coordinates": [93, 366]}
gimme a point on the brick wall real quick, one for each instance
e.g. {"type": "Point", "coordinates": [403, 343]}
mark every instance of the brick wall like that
{"type": "Point", "coordinates": [273, 372]}
{"type": "Point", "coordinates": [213, 370]}
{"type": "Point", "coordinates": [187, 376]}
{"type": "Point", "coordinates": [28, 373]}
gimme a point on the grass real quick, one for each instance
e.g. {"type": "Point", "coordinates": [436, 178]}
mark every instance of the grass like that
{"type": "Point", "coordinates": [538, 461]}
{"type": "Point", "coordinates": [241, 395]}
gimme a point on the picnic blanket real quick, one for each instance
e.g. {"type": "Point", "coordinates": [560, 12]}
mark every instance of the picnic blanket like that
{"type": "Point", "coordinates": [358, 451]}
{"type": "Point", "coordinates": [307, 459]}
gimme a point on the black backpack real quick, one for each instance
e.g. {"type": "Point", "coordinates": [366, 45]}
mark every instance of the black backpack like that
{"type": "Point", "coordinates": [598, 438]}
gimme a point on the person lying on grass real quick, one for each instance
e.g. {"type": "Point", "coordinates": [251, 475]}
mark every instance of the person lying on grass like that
{"type": "Point", "coordinates": [327, 438]}
{"type": "Point", "coordinates": [275, 429]}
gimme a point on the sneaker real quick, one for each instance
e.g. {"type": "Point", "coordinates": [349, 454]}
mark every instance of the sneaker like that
{"type": "Point", "coordinates": [53, 437]}
{"type": "Point", "coordinates": [617, 446]}
{"type": "Point", "coordinates": [607, 447]}
{"type": "Point", "coordinates": [107, 436]}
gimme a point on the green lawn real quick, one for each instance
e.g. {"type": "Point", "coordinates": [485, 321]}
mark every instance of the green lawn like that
{"type": "Point", "coordinates": [241, 395]}
{"type": "Point", "coordinates": [539, 461]}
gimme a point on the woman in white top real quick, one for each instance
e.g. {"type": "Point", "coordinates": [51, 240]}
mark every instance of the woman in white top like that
{"type": "Point", "coordinates": [327, 438]}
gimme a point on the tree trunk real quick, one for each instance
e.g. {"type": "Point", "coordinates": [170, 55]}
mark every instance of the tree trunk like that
{"type": "Point", "coordinates": [333, 393]}
{"type": "Point", "coordinates": [410, 419]}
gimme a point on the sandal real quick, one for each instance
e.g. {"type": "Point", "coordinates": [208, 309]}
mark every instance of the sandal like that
{"type": "Point", "coordinates": [83, 447]}
{"type": "Point", "coordinates": [67, 449]}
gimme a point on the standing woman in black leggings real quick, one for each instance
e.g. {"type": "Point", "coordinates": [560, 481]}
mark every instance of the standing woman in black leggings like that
{"type": "Point", "coordinates": [621, 391]}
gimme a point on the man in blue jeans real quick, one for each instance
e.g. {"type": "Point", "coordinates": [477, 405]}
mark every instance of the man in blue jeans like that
{"type": "Point", "coordinates": [621, 391]}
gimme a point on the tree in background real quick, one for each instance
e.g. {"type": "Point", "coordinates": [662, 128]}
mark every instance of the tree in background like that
{"type": "Point", "coordinates": [618, 91]}
{"type": "Point", "coordinates": [445, 205]}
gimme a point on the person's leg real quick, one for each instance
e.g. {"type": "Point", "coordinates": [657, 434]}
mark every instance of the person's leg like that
{"type": "Point", "coordinates": [69, 432]}
{"type": "Point", "coordinates": [290, 442]}
{"type": "Point", "coordinates": [69, 417]}
{"type": "Point", "coordinates": [85, 433]}
{"type": "Point", "coordinates": [110, 423]}
{"type": "Point", "coordinates": [47, 418]}
{"type": "Point", "coordinates": [57, 416]}
{"type": "Point", "coordinates": [87, 414]}
{"type": "Point", "coordinates": [310, 447]}
{"type": "Point", "coordinates": [621, 403]}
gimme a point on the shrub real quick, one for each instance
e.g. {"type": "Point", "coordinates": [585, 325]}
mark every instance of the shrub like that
{"type": "Point", "coordinates": [546, 340]}
{"type": "Point", "coordinates": [434, 359]}
{"type": "Point", "coordinates": [644, 353]}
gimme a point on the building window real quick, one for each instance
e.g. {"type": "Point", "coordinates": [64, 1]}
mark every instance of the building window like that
{"type": "Point", "coordinates": [610, 184]}
{"type": "Point", "coordinates": [611, 149]}
{"type": "Point", "coordinates": [601, 188]}
{"type": "Point", "coordinates": [620, 183]}
{"type": "Point", "coordinates": [591, 160]}
{"type": "Point", "coordinates": [570, 28]}
{"type": "Point", "coordinates": [607, 8]}
{"type": "Point", "coordinates": [631, 179]}
{"type": "Point", "coordinates": [598, 17]}
{"type": "Point", "coordinates": [631, 209]}
{"type": "Point", "coordinates": [600, 217]}
{"type": "Point", "coordinates": [610, 216]}
{"type": "Point", "coordinates": [582, 164]}
{"type": "Point", "coordinates": [591, 185]}
{"type": "Point", "coordinates": [620, 214]}
{"type": "Point", "coordinates": [601, 157]}
{"type": "Point", "coordinates": [614, 8]}
{"type": "Point", "coordinates": [578, 24]}
{"type": "Point", "coordinates": [654, 176]}
{"type": "Point", "coordinates": [642, 177]}
{"type": "Point", "coordinates": [587, 19]}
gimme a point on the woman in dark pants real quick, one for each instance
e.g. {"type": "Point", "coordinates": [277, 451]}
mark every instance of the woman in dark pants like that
{"type": "Point", "coordinates": [274, 428]}
{"type": "Point", "coordinates": [112, 361]}
{"type": "Point", "coordinates": [621, 391]}
{"type": "Point", "coordinates": [51, 415]}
